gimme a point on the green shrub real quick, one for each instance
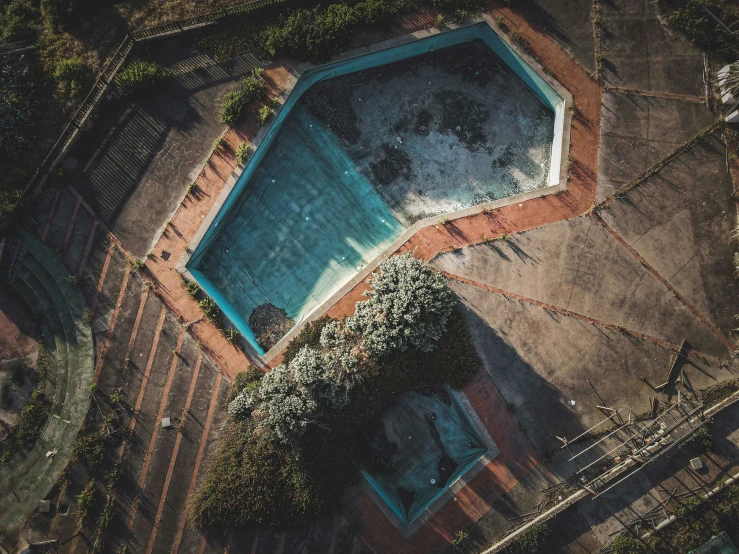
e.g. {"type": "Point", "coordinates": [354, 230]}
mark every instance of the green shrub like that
{"type": "Point", "coordinates": [310, 336]}
{"type": "Point", "coordinates": [84, 502]}
{"type": "Point", "coordinates": [105, 518]}
{"type": "Point", "coordinates": [234, 102]}
{"type": "Point", "coordinates": [18, 115]}
{"type": "Point", "coordinates": [211, 311]}
{"type": "Point", "coordinates": [27, 428]}
{"type": "Point", "coordinates": [138, 75]}
{"type": "Point", "coordinates": [314, 34]}
{"type": "Point", "coordinates": [246, 380]}
{"type": "Point", "coordinates": [372, 12]}
{"type": "Point", "coordinates": [691, 18]}
{"type": "Point", "coordinates": [628, 544]}
{"type": "Point", "coordinates": [192, 288]}
{"type": "Point", "coordinates": [242, 152]}
{"type": "Point", "coordinates": [466, 6]}
{"type": "Point", "coordinates": [253, 480]}
{"type": "Point", "coordinates": [461, 538]}
{"type": "Point", "coordinates": [137, 264]}
{"type": "Point", "coordinates": [534, 538]}
{"type": "Point", "coordinates": [66, 13]}
{"type": "Point", "coordinates": [71, 75]}
{"type": "Point", "coordinates": [702, 439]}
{"type": "Point", "coordinates": [21, 21]}
{"type": "Point", "coordinates": [231, 335]}
{"type": "Point", "coordinates": [265, 113]}
{"type": "Point", "coordinates": [89, 449]}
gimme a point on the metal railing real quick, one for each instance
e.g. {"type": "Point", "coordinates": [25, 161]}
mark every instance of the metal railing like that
{"type": "Point", "coordinates": [68, 135]}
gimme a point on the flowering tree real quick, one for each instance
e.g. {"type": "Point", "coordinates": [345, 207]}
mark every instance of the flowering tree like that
{"type": "Point", "coordinates": [409, 306]}
{"type": "Point", "coordinates": [294, 396]}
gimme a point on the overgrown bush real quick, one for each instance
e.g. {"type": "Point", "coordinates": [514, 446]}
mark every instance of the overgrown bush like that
{"type": "Point", "coordinates": [253, 480]}
{"type": "Point", "coordinates": [628, 544]}
{"type": "Point", "coordinates": [211, 311]}
{"type": "Point", "coordinates": [246, 380]}
{"type": "Point", "coordinates": [84, 502]}
{"type": "Point", "coordinates": [310, 336]}
{"type": "Point", "coordinates": [89, 449]}
{"type": "Point", "coordinates": [534, 538]}
{"type": "Point", "coordinates": [21, 21]}
{"type": "Point", "coordinates": [313, 34]}
{"type": "Point", "coordinates": [265, 113]}
{"type": "Point", "coordinates": [65, 13]}
{"type": "Point", "coordinates": [138, 75]}
{"type": "Point", "coordinates": [27, 428]}
{"type": "Point", "coordinates": [71, 75]}
{"type": "Point", "coordinates": [242, 152]}
{"type": "Point", "coordinates": [234, 102]}
{"type": "Point", "coordinates": [192, 288]}
{"type": "Point", "coordinates": [409, 305]}
{"type": "Point", "coordinates": [691, 18]}
{"type": "Point", "coordinates": [17, 115]}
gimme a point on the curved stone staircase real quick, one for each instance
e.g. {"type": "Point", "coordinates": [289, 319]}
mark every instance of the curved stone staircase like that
{"type": "Point", "coordinates": [42, 281]}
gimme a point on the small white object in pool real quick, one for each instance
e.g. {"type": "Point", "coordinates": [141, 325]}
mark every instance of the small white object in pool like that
{"type": "Point", "coordinates": [346, 173]}
{"type": "Point", "coordinates": [433, 481]}
{"type": "Point", "coordinates": [226, 250]}
{"type": "Point", "coordinates": [311, 125]}
{"type": "Point", "coordinates": [273, 180]}
{"type": "Point", "coordinates": [459, 128]}
{"type": "Point", "coordinates": [383, 221]}
{"type": "Point", "coordinates": [307, 218]}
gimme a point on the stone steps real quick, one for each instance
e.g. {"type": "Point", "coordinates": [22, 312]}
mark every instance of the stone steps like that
{"type": "Point", "coordinates": [43, 282]}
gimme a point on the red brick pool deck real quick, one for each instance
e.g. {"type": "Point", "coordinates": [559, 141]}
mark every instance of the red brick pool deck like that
{"type": "Point", "coordinates": [517, 455]}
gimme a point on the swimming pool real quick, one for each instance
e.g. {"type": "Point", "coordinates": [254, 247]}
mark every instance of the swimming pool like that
{"type": "Point", "coordinates": [422, 444]}
{"type": "Point", "coordinates": [309, 211]}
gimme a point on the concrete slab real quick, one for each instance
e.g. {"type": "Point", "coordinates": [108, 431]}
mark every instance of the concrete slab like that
{"type": "Point", "coordinates": [618, 506]}
{"type": "Point", "coordinates": [642, 54]}
{"type": "Point", "coordinates": [143, 153]}
{"type": "Point", "coordinates": [577, 265]}
{"type": "Point", "coordinates": [569, 23]}
{"type": "Point", "coordinates": [540, 361]}
{"type": "Point", "coordinates": [638, 131]}
{"type": "Point", "coordinates": [678, 220]}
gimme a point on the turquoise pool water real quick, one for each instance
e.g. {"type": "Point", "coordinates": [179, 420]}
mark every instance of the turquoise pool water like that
{"type": "Point", "coordinates": [302, 220]}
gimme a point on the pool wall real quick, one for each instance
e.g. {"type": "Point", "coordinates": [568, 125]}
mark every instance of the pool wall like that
{"type": "Point", "coordinates": [547, 89]}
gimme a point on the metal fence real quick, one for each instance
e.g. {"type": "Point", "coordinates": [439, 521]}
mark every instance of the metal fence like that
{"type": "Point", "coordinates": [68, 135]}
